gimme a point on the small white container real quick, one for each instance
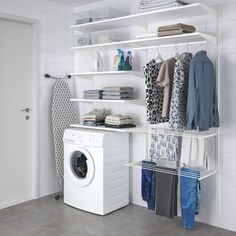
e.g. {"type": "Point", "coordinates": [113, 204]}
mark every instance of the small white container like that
{"type": "Point", "coordinates": [82, 17]}
{"type": "Point", "coordinates": [82, 40]}
{"type": "Point", "coordinates": [106, 13]}
{"type": "Point", "coordinates": [108, 37]}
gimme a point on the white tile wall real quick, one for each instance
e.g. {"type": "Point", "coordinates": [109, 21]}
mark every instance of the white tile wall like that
{"type": "Point", "coordinates": [55, 59]}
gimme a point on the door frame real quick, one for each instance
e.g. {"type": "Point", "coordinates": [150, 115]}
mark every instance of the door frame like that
{"type": "Point", "coordinates": [34, 144]}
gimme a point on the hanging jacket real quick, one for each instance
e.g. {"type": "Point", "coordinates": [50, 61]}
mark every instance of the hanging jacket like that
{"type": "Point", "coordinates": [202, 111]}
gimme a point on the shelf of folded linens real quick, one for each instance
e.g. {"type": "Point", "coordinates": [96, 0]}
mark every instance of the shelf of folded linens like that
{"type": "Point", "coordinates": [140, 102]}
{"type": "Point", "coordinates": [108, 73]}
{"type": "Point", "coordinates": [101, 127]}
{"type": "Point", "coordinates": [202, 173]}
{"type": "Point", "coordinates": [152, 42]}
{"type": "Point", "coordinates": [144, 18]}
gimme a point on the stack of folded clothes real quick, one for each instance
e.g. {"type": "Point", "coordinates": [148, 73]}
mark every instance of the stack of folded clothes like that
{"type": "Point", "coordinates": [158, 4]}
{"type": "Point", "coordinates": [119, 121]}
{"type": "Point", "coordinates": [176, 29]}
{"type": "Point", "coordinates": [95, 117]}
{"type": "Point", "coordinates": [118, 93]}
{"type": "Point", "coordinates": [93, 94]}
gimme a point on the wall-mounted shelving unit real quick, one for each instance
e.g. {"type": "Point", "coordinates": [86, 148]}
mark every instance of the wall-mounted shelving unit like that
{"type": "Point", "coordinates": [151, 42]}
{"type": "Point", "coordinates": [144, 18]}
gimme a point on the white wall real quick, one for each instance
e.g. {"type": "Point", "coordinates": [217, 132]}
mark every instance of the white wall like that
{"type": "Point", "coordinates": [56, 59]}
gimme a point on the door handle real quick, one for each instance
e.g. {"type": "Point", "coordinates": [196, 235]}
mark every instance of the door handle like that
{"type": "Point", "coordinates": [26, 109]}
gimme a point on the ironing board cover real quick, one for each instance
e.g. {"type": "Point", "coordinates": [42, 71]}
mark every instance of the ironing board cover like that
{"type": "Point", "coordinates": [63, 114]}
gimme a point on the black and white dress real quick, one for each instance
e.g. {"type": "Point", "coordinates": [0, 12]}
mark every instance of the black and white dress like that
{"type": "Point", "coordinates": [154, 93]}
{"type": "Point", "coordinates": [179, 96]}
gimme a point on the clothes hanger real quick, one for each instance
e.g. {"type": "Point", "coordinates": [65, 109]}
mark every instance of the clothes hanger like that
{"type": "Point", "coordinates": [159, 56]}
{"type": "Point", "coordinates": [187, 47]}
{"type": "Point", "coordinates": [177, 55]}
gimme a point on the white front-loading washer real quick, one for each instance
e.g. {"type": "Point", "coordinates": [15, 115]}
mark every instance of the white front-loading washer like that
{"type": "Point", "coordinates": [95, 177]}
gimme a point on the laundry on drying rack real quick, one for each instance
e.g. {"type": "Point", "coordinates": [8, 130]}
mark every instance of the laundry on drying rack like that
{"type": "Point", "coordinates": [93, 94]}
{"type": "Point", "coordinates": [95, 117]}
{"type": "Point", "coordinates": [148, 187]}
{"type": "Point", "coordinates": [166, 193]}
{"type": "Point", "coordinates": [190, 192]}
{"type": "Point", "coordinates": [195, 152]}
{"type": "Point", "coordinates": [158, 4]}
{"type": "Point", "coordinates": [117, 93]}
{"type": "Point", "coordinates": [165, 149]}
{"type": "Point", "coordinates": [176, 29]}
{"type": "Point", "coordinates": [119, 121]}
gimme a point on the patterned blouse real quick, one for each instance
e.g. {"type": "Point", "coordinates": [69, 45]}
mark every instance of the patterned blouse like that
{"type": "Point", "coordinates": [179, 96]}
{"type": "Point", "coordinates": [154, 94]}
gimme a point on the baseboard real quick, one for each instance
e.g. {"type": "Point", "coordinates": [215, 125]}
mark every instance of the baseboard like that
{"type": "Point", "coordinates": [13, 203]}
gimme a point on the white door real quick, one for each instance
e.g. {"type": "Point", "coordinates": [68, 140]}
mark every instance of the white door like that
{"type": "Point", "coordinates": [16, 161]}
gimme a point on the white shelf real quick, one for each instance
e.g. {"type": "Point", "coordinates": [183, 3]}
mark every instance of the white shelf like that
{"type": "Point", "coordinates": [145, 18]}
{"type": "Point", "coordinates": [151, 42]}
{"type": "Point", "coordinates": [134, 101]}
{"type": "Point", "coordinates": [90, 74]}
{"type": "Point", "coordinates": [129, 130]}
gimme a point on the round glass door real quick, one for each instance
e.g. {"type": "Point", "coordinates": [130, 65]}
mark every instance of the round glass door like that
{"type": "Point", "coordinates": [81, 167]}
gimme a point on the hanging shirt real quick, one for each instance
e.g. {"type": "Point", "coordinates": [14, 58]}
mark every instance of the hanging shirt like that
{"type": "Point", "coordinates": [154, 94]}
{"type": "Point", "coordinates": [178, 105]}
{"type": "Point", "coordinates": [165, 80]}
{"type": "Point", "coordinates": [202, 111]}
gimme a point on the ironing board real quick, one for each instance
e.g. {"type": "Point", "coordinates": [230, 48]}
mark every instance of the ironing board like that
{"type": "Point", "coordinates": [63, 114]}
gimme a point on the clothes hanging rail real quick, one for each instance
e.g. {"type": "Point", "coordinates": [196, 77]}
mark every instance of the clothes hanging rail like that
{"type": "Point", "coordinates": [53, 77]}
{"type": "Point", "coordinates": [172, 45]}
{"type": "Point", "coordinates": [203, 174]}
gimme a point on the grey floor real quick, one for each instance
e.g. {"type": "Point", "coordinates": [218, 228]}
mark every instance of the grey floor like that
{"type": "Point", "coordinates": [47, 217]}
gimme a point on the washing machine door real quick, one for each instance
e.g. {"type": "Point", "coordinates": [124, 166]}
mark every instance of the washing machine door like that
{"type": "Point", "coordinates": [80, 167]}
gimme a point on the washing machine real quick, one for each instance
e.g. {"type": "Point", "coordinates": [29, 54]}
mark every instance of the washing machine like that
{"type": "Point", "coordinates": [95, 177]}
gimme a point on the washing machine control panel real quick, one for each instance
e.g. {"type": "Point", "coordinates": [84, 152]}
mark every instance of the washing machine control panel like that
{"type": "Point", "coordinates": [88, 140]}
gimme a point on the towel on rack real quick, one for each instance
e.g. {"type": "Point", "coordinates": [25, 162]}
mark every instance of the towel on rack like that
{"type": "Point", "coordinates": [148, 187]}
{"type": "Point", "coordinates": [166, 193]}
{"type": "Point", "coordinates": [189, 196]}
{"type": "Point", "coordinates": [194, 152]}
{"type": "Point", "coordinates": [164, 149]}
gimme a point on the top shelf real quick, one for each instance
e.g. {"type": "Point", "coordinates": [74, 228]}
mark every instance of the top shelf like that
{"type": "Point", "coordinates": [144, 18]}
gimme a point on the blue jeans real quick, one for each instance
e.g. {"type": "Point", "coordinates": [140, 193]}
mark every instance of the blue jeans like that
{"type": "Point", "coordinates": [189, 197]}
{"type": "Point", "coordinates": [149, 185]}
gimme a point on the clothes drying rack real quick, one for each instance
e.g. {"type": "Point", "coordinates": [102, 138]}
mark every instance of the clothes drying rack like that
{"type": "Point", "coordinates": [203, 173]}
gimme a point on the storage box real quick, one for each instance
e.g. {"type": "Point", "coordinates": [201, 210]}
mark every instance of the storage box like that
{"type": "Point", "coordinates": [108, 37]}
{"type": "Point", "coordinates": [82, 17]}
{"type": "Point", "coordinates": [106, 13]}
{"type": "Point", "coordinates": [82, 40]}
